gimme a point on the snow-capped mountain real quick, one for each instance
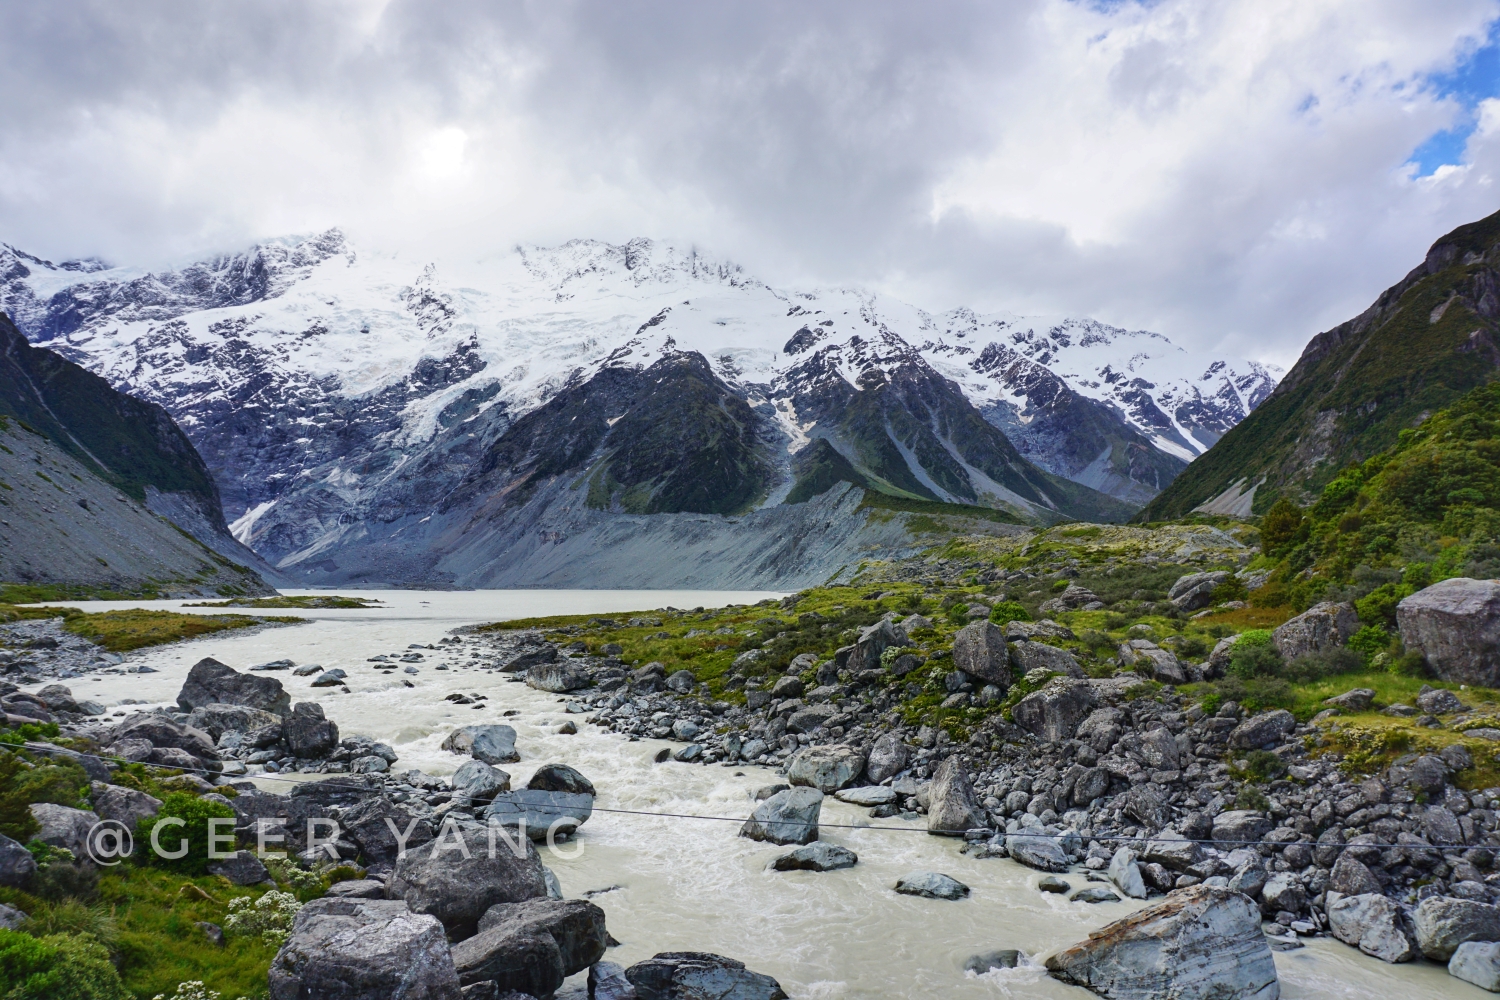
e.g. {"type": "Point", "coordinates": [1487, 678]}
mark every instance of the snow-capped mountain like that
{"type": "Point", "coordinates": [342, 395]}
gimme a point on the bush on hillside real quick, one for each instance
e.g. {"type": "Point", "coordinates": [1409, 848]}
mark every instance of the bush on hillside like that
{"type": "Point", "coordinates": [192, 833]}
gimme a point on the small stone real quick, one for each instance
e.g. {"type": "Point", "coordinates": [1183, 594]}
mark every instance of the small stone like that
{"type": "Point", "coordinates": [1094, 894]}
{"type": "Point", "coordinates": [819, 856]}
{"type": "Point", "coordinates": [1051, 883]}
{"type": "Point", "coordinates": [931, 885]}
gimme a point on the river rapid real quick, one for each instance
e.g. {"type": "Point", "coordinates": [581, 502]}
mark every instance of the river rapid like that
{"type": "Point", "coordinates": [691, 884]}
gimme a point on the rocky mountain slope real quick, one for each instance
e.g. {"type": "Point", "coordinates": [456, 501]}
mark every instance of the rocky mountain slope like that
{"type": "Point", "coordinates": [102, 490]}
{"type": "Point", "coordinates": [342, 396]}
{"type": "Point", "coordinates": [1423, 343]}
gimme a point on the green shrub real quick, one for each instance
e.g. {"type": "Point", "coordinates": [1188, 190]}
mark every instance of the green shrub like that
{"type": "Point", "coordinates": [1009, 611]}
{"type": "Point", "coordinates": [1252, 637]}
{"type": "Point", "coordinates": [1232, 589]}
{"type": "Point", "coordinates": [1282, 527]}
{"type": "Point", "coordinates": [1378, 607]}
{"type": "Point", "coordinates": [958, 614]}
{"type": "Point", "coordinates": [1262, 765]}
{"type": "Point", "coordinates": [1254, 661]}
{"type": "Point", "coordinates": [1369, 640]}
{"type": "Point", "coordinates": [57, 967]}
{"type": "Point", "coordinates": [195, 814]}
{"type": "Point", "coordinates": [23, 783]}
{"type": "Point", "coordinates": [1322, 664]}
{"type": "Point", "coordinates": [1252, 798]}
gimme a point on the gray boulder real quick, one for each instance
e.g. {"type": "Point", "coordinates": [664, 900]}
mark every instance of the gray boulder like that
{"type": "Point", "coordinates": [888, 757]}
{"type": "Point", "coordinates": [1260, 730]}
{"type": "Point", "coordinates": [1172, 850]}
{"type": "Point", "coordinates": [1282, 891]}
{"type": "Point", "coordinates": [64, 827]}
{"type": "Point", "coordinates": [1240, 827]}
{"type": "Point", "coordinates": [307, 732]}
{"type": "Point", "coordinates": [1200, 943]}
{"type": "Point", "coordinates": [122, 805]}
{"type": "Point", "coordinates": [607, 982]}
{"type": "Point", "coordinates": [1160, 664]}
{"type": "Point", "coordinates": [1375, 925]}
{"type": "Point", "coordinates": [211, 682]}
{"type": "Point", "coordinates": [1353, 700]}
{"type": "Point", "coordinates": [560, 778]}
{"type": "Point", "coordinates": [681, 681]}
{"type": "Point", "coordinates": [11, 918]}
{"type": "Point", "coordinates": [557, 676]}
{"type": "Point", "coordinates": [1455, 625]}
{"type": "Point", "coordinates": [810, 719]}
{"type": "Point", "coordinates": [479, 781]}
{"type": "Point", "coordinates": [1195, 590]}
{"type": "Point", "coordinates": [533, 945]}
{"type": "Point", "coordinates": [493, 744]}
{"type": "Point", "coordinates": [1352, 877]}
{"type": "Point", "coordinates": [16, 864]}
{"type": "Point", "coordinates": [826, 768]}
{"type": "Point", "coordinates": [1321, 627]}
{"type": "Point", "coordinates": [931, 885]}
{"type": "Point", "coordinates": [872, 642]}
{"type": "Point", "coordinates": [1438, 701]}
{"type": "Point", "coordinates": [358, 888]}
{"type": "Point", "coordinates": [527, 657]}
{"type": "Point", "coordinates": [457, 885]}
{"type": "Point", "coordinates": [866, 795]}
{"type": "Point", "coordinates": [952, 807]}
{"type": "Point", "coordinates": [819, 856]}
{"type": "Point", "coordinates": [1036, 850]}
{"type": "Point", "coordinates": [242, 868]}
{"type": "Point", "coordinates": [562, 813]}
{"type": "Point", "coordinates": [217, 718]}
{"type": "Point", "coordinates": [368, 823]}
{"type": "Point", "coordinates": [788, 817]}
{"type": "Point", "coordinates": [1442, 923]}
{"type": "Point", "coordinates": [696, 975]}
{"type": "Point", "coordinates": [1125, 872]}
{"type": "Point", "coordinates": [979, 651]}
{"type": "Point", "coordinates": [1055, 712]}
{"type": "Point", "coordinates": [364, 949]}
{"type": "Point", "coordinates": [1029, 656]}
{"type": "Point", "coordinates": [1477, 962]}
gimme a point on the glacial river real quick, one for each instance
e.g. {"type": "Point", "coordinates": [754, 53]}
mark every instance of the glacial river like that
{"type": "Point", "coordinates": [690, 884]}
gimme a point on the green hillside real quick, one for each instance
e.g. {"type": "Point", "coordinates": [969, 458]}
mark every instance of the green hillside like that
{"type": "Point", "coordinates": [1425, 342]}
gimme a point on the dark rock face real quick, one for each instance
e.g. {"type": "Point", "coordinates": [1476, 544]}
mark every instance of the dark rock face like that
{"type": "Point", "coordinates": [244, 868]}
{"type": "Point", "coordinates": [1455, 625]}
{"type": "Point", "coordinates": [307, 732]}
{"type": "Point", "coordinates": [217, 718]}
{"type": "Point", "coordinates": [819, 856]}
{"type": "Point", "coordinates": [979, 651]}
{"type": "Point", "coordinates": [16, 864]}
{"type": "Point", "coordinates": [211, 682]}
{"type": "Point", "coordinates": [696, 975]}
{"type": "Point", "coordinates": [122, 805]}
{"type": "Point", "coordinates": [533, 945]}
{"type": "Point", "coordinates": [438, 879]}
{"type": "Point", "coordinates": [1263, 729]}
{"type": "Point", "coordinates": [541, 812]}
{"type": "Point", "coordinates": [364, 949]}
{"type": "Point", "coordinates": [365, 824]}
{"type": "Point", "coordinates": [1029, 656]}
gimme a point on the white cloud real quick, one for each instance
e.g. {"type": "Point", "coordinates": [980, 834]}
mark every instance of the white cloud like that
{"type": "Point", "coordinates": [1233, 174]}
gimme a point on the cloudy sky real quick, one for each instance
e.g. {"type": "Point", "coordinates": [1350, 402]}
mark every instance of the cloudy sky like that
{"type": "Point", "coordinates": [1238, 174]}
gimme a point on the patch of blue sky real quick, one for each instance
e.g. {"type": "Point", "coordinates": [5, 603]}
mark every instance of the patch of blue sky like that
{"type": "Point", "coordinates": [1474, 80]}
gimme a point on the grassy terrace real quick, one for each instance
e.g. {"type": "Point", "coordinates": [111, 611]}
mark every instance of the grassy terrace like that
{"type": "Point", "coordinates": [134, 628]}
{"type": "Point", "coordinates": [305, 602]}
{"type": "Point", "coordinates": [1129, 568]}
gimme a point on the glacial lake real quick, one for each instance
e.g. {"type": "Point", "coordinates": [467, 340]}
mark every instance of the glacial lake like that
{"type": "Point", "coordinates": [678, 884]}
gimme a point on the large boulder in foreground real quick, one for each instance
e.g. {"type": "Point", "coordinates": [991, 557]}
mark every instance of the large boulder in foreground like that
{"type": "Point", "coordinates": [458, 884]}
{"type": "Point", "coordinates": [211, 682]}
{"type": "Point", "coordinates": [541, 812]}
{"type": "Point", "coordinates": [1375, 925]}
{"type": "Point", "coordinates": [1455, 625]}
{"type": "Point", "coordinates": [788, 817]}
{"type": "Point", "coordinates": [308, 732]}
{"type": "Point", "coordinates": [532, 946]}
{"type": "Point", "coordinates": [493, 744]}
{"type": "Point", "coordinates": [1054, 713]}
{"type": "Point", "coordinates": [979, 651]}
{"type": "Point", "coordinates": [364, 949]}
{"type": "Point", "coordinates": [1200, 943]}
{"type": "Point", "coordinates": [1443, 923]}
{"type": "Point", "coordinates": [826, 768]}
{"type": "Point", "coordinates": [698, 975]}
{"type": "Point", "coordinates": [1321, 627]}
{"type": "Point", "coordinates": [888, 757]}
{"type": "Point", "coordinates": [952, 806]}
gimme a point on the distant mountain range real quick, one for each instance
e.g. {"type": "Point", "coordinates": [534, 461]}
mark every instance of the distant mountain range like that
{"type": "Point", "coordinates": [1426, 341]}
{"type": "Point", "coordinates": [370, 418]}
